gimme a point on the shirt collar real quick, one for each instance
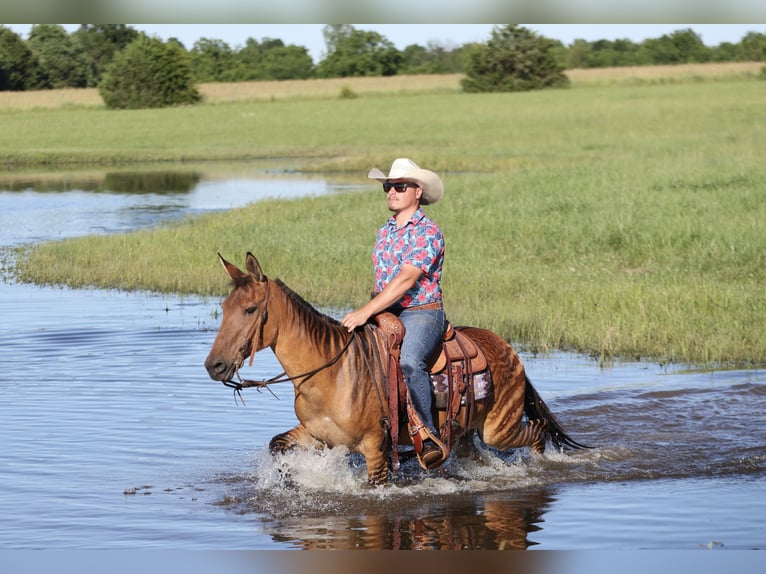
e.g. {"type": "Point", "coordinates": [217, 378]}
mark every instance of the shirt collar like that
{"type": "Point", "coordinates": [417, 216]}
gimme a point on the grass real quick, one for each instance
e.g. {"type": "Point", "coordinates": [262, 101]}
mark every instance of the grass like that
{"type": "Point", "coordinates": [679, 73]}
{"type": "Point", "coordinates": [620, 221]}
{"type": "Point", "coordinates": [231, 92]}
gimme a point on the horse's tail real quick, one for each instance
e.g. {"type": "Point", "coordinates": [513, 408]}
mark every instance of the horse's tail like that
{"type": "Point", "coordinates": [536, 409]}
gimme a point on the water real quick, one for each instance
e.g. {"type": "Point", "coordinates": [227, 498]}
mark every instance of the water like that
{"type": "Point", "coordinates": [114, 437]}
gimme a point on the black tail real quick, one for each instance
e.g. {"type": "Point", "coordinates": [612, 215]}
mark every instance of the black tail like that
{"type": "Point", "coordinates": [536, 409]}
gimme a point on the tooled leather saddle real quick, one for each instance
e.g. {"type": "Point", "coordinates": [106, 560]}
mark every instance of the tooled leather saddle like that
{"type": "Point", "coordinates": [457, 360]}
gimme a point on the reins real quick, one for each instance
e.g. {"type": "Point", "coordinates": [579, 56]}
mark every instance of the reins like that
{"type": "Point", "coordinates": [283, 377]}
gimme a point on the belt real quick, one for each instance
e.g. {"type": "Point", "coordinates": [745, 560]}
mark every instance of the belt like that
{"type": "Point", "coordinates": [427, 307]}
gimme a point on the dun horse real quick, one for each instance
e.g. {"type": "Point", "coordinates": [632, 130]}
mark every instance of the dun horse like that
{"type": "Point", "coordinates": [341, 393]}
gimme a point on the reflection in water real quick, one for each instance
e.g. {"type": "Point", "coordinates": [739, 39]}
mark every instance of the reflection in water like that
{"type": "Point", "coordinates": [110, 182]}
{"type": "Point", "coordinates": [496, 523]}
{"type": "Point", "coordinates": [151, 182]}
{"type": "Point", "coordinates": [490, 521]}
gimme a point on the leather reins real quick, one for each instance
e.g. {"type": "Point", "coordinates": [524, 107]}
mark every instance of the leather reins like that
{"type": "Point", "coordinates": [257, 329]}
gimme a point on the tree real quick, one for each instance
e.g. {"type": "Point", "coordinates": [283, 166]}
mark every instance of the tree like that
{"type": "Point", "coordinates": [62, 60]}
{"type": "Point", "coordinates": [287, 63]}
{"type": "Point", "coordinates": [605, 54]}
{"type": "Point", "coordinates": [213, 61]}
{"type": "Point", "coordinates": [435, 58]}
{"type": "Point", "coordinates": [628, 52]}
{"type": "Point", "coordinates": [577, 55]}
{"type": "Point", "coordinates": [149, 73]}
{"type": "Point", "coordinates": [272, 60]}
{"type": "Point", "coordinates": [100, 42]}
{"type": "Point", "coordinates": [416, 60]}
{"type": "Point", "coordinates": [754, 47]}
{"type": "Point", "coordinates": [335, 35]}
{"type": "Point", "coordinates": [725, 52]}
{"type": "Point", "coordinates": [352, 52]}
{"type": "Point", "coordinates": [690, 46]}
{"type": "Point", "coordinates": [19, 68]}
{"type": "Point", "coordinates": [680, 47]}
{"type": "Point", "coordinates": [514, 59]}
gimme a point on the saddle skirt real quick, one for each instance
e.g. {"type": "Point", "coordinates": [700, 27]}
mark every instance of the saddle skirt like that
{"type": "Point", "coordinates": [458, 353]}
{"type": "Point", "coordinates": [457, 346]}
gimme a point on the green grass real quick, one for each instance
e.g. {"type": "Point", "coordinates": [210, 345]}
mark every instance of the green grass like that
{"type": "Point", "coordinates": [623, 222]}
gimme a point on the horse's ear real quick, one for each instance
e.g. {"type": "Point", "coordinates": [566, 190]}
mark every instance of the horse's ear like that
{"type": "Point", "coordinates": [254, 268]}
{"type": "Point", "coordinates": [236, 274]}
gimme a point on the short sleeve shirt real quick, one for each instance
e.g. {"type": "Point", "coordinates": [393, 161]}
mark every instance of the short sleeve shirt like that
{"type": "Point", "coordinates": [419, 243]}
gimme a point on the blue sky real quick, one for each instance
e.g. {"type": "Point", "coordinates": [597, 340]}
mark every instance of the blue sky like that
{"type": "Point", "coordinates": [402, 35]}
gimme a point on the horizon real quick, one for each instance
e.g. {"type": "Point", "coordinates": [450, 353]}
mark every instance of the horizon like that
{"type": "Point", "coordinates": [401, 35]}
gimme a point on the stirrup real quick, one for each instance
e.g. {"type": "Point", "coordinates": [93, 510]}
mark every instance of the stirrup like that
{"type": "Point", "coordinates": [419, 434]}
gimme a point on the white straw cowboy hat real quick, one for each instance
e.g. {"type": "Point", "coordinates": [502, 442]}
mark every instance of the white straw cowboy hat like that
{"type": "Point", "coordinates": [405, 168]}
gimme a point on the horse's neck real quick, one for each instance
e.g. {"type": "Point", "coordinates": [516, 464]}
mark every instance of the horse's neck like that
{"type": "Point", "coordinates": [304, 339]}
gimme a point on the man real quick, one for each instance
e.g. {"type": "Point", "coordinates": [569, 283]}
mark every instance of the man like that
{"type": "Point", "coordinates": [407, 261]}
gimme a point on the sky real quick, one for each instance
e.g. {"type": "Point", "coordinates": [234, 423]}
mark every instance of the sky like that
{"type": "Point", "coordinates": [402, 35]}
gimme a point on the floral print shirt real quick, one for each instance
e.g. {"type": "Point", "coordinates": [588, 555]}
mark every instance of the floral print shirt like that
{"type": "Point", "coordinates": [419, 243]}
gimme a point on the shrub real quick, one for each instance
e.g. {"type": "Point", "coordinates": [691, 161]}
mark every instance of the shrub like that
{"type": "Point", "coordinates": [514, 59]}
{"type": "Point", "coordinates": [347, 93]}
{"type": "Point", "coordinates": [149, 73]}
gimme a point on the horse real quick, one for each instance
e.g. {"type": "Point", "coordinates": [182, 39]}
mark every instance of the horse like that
{"type": "Point", "coordinates": [340, 388]}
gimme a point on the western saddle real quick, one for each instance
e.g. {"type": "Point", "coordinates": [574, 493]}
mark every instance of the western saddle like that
{"type": "Point", "coordinates": [458, 359]}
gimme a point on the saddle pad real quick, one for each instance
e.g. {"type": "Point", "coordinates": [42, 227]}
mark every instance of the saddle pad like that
{"type": "Point", "coordinates": [481, 384]}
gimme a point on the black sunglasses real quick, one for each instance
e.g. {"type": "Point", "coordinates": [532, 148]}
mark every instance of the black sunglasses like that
{"type": "Point", "coordinates": [399, 187]}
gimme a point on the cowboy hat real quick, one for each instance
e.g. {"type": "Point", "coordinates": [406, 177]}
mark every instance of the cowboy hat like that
{"type": "Point", "coordinates": [405, 168]}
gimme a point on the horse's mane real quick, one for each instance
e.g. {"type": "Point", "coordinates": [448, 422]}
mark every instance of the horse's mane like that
{"type": "Point", "coordinates": [322, 328]}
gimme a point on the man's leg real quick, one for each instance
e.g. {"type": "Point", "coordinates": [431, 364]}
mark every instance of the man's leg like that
{"type": "Point", "coordinates": [423, 332]}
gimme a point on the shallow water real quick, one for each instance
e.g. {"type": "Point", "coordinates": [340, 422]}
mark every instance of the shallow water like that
{"type": "Point", "coordinates": [114, 437]}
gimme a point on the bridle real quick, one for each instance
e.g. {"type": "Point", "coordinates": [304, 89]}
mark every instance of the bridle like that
{"type": "Point", "coordinates": [254, 338]}
{"type": "Point", "coordinates": [256, 328]}
{"type": "Point", "coordinates": [255, 344]}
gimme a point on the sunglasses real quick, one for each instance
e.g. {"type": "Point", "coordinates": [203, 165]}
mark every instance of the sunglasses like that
{"type": "Point", "coordinates": [399, 187]}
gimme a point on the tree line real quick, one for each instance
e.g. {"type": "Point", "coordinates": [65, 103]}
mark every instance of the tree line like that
{"type": "Point", "coordinates": [53, 58]}
{"type": "Point", "coordinates": [133, 70]}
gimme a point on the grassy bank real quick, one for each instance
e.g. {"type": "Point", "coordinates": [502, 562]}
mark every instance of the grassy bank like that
{"type": "Point", "coordinates": [620, 221]}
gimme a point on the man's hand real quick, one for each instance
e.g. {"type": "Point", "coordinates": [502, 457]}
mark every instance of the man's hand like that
{"type": "Point", "coordinates": [355, 319]}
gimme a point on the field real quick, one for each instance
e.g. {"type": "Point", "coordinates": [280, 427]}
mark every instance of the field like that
{"type": "Point", "coordinates": [223, 92]}
{"type": "Point", "coordinates": [618, 219]}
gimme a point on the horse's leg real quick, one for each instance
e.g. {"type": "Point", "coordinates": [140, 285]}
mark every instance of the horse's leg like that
{"type": "Point", "coordinates": [297, 437]}
{"type": "Point", "coordinates": [532, 434]}
{"type": "Point", "coordinates": [502, 427]}
{"type": "Point", "coordinates": [464, 447]}
{"type": "Point", "coordinates": [376, 460]}
{"type": "Point", "coordinates": [300, 438]}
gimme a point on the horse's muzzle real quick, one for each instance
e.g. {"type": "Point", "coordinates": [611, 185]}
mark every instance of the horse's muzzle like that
{"type": "Point", "coordinates": [218, 369]}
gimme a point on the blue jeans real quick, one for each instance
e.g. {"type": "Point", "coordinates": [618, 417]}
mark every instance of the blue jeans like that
{"type": "Point", "coordinates": [423, 333]}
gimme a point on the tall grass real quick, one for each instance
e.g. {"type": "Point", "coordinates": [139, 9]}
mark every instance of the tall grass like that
{"type": "Point", "coordinates": [615, 221]}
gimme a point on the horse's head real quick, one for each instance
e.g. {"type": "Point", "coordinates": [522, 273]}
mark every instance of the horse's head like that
{"type": "Point", "coordinates": [244, 315]}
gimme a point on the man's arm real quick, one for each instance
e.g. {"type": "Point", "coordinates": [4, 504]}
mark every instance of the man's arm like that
{"type": "Point", "coordinates": [406, 279]}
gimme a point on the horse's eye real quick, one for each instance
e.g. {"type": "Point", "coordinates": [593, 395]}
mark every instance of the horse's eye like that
{"type": "Point", "coordinates": [251, 310]}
